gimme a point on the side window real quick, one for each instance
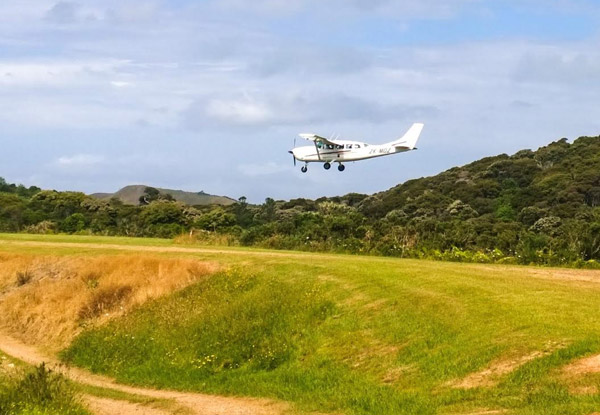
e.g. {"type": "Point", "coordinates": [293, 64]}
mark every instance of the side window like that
{"type": "Point", "coordinates": [348, 145]}
{"type": "Point", "coordinates": [339, 147]}
{"type": "Point", "coordinates": [356, 145]}
{"type": "Point", "coordinates": [330, 146]}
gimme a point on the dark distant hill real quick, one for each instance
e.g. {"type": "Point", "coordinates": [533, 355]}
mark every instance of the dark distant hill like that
{"type": "Point", "coordinates": [131, 196]}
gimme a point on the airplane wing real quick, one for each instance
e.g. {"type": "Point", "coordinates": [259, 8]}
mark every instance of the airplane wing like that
{"type": "Point", "coordinates": [317, 139]}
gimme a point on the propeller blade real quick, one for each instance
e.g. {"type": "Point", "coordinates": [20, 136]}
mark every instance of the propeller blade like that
{"type": "Point", "coordinates": [292, 153]}
{"type": "Point", "coordinates": [294, 157]}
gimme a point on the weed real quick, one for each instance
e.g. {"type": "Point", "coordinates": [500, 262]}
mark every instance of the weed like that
{"type": "Point", "coordinates": [24, 277]}
{"type": "Point", "coordinates": [91, 279]}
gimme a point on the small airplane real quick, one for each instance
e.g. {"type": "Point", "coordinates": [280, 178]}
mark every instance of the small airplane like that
{"type": "Point", "coordinates": [333, 150]}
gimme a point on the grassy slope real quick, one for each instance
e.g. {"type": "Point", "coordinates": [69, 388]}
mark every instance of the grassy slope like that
{"type": "Point", "coordinates": [369, 335]}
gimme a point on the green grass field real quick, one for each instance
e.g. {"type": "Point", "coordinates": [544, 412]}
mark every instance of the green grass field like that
{"type": "Point", "coordinates": [358, 335]}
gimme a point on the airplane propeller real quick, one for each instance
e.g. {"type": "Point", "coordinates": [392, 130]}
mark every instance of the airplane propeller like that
{"type": "Point", "coordinates": [294, 157]}
{"type": "Point", "coordinates": [292, 152]}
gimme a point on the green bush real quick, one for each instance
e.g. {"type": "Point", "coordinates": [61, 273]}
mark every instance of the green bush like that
{"type": "Point", "coordinates": [40, 391]}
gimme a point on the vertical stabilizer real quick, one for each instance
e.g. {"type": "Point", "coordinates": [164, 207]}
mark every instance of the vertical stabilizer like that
{"type": "Point", "coordinates": [409, 140]}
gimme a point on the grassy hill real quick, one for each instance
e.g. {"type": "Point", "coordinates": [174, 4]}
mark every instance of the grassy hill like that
{"type": "Point", "coordinates": [331, 333]}
{"type": "Point", "coordinates": [131, 196]}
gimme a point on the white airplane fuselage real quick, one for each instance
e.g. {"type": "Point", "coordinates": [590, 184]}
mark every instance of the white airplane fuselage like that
{"type": "Point", "coordinates": [342, 151]}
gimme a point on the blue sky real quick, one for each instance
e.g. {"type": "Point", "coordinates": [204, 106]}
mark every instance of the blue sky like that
{"type": "Point", "coordinates": [209, 95]}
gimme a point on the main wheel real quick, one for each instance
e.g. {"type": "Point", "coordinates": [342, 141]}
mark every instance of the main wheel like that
{"type": "Point", "coordinates": [341, 167]}
{"type": "Point", "coordinates": [327, 166]}
{"type": "Point", "coordinates": [304, 169]}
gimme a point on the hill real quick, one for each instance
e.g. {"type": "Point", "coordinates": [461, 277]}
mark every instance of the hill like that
{"type": "Point", "coordinates": [131, 195]}
{"type": "Point", "coordinates": [556, 179]}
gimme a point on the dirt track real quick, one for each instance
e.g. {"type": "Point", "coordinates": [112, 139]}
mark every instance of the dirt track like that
{"type": "Point", "coordinates": [190, 403]}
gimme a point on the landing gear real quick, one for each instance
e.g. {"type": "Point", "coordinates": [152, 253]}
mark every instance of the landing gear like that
{"type": "Point", "coordinates": [327, 165]}
{"type": "Point", "coordinates": [303, 169]}
{"type": "Point", "coordinates": [341, 167]}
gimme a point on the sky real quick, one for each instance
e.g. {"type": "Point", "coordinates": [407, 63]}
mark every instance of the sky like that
{"type": "Point", "coordinates": [210, 94]}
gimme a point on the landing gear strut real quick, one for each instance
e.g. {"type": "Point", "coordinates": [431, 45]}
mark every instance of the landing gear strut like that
{"type": "Point", "coordinates": [303, 169]}
{"type": "Point", "coordinates": [341, 167]}
{"type": "Point", "coordinates": [327, 165]}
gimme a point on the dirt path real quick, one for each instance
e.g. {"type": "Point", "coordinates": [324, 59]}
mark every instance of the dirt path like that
{"type": "Point", "coordinates": [104, 406]}
{"type": "Point", "coordinates": [193, 403]}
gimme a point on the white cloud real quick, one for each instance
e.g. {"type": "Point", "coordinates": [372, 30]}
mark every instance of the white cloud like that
{"type": "Point", "coordinates": [120, 84]}
{"type": "Point", "coordinates": [58, 73]}
{"type": "Point", "coordinates": [244, 112]}
{"type": "Point", "coordinates": [80, 160]}
{"type": "Point", "coordinates": [570, 67]}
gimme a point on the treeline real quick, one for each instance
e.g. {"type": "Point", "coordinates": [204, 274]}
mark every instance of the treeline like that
{"type": "Point", "coordinates": [538, 207]}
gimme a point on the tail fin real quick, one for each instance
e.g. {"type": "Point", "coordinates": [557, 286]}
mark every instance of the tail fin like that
{"type": "Point", "coordinates": [409, 140]}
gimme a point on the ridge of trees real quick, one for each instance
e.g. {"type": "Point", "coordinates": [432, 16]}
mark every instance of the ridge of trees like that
{"type": "Point", "coordinates": [538, 206]}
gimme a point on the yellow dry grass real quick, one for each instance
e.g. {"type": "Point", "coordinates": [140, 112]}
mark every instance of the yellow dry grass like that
{"type": "Point", "coordinates": [583, 375]}
{"type": "Point", "coordinates": [61, 295]}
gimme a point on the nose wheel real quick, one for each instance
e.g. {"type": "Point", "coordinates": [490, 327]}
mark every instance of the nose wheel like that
{"type": "Point", "coordinates": [304, 169]}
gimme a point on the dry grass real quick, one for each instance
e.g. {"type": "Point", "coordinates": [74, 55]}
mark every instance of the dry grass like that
{"type": "Point", "coordinates": [64, 294]}
{"type": "Point", "coordinates": [582, 376]}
